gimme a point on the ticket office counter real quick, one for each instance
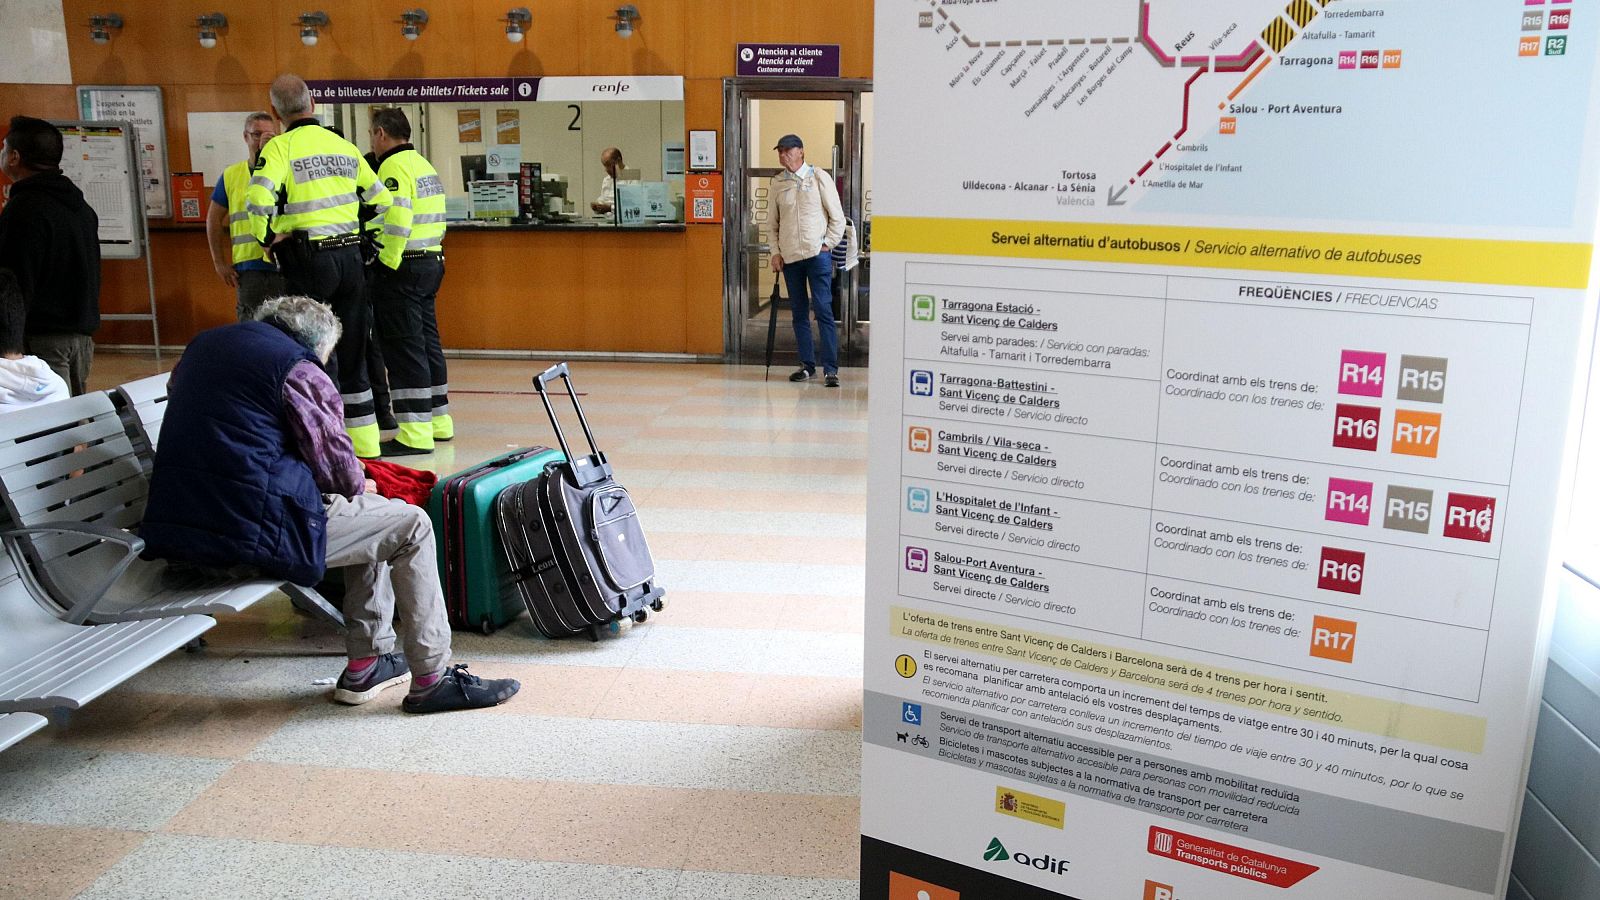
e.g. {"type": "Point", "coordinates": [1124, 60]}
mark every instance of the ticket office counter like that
{"type": "Point", "coordinates": [525, 280]}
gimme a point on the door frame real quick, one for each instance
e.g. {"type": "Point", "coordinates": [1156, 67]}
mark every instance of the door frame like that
{"type": "Point", "coordinates": [736, 94]}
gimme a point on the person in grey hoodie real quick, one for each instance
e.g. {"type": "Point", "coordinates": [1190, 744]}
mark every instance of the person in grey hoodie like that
{"type": "Point", "coordinates": [25, 381]}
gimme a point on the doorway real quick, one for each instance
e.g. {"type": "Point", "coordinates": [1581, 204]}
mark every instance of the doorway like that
{"type": "Point", "coordinates": [834, 119]}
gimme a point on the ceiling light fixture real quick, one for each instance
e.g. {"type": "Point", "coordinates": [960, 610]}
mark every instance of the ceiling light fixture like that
{"type": "Point", "coordinates": [310, 23]}
{"type": "Point", "coordinates": [412, 22]}
{"type": "Point", "coordinates": [518, 19]}
{"type": "Point", "coordinates": [210, 24]}
{"type": "Point", "coordinates": [100, 27]}
{"type": "Point", "coordinates": [628, 19]}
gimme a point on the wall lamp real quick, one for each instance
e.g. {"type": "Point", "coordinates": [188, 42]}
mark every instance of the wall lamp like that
{"type": "Point", "coordinates": [412, 22]}
{"type": "Point", "coordinates": [309, 24]}
{"type": "Point", "coordinates": [100, 27]}
{"type": "Point", "coordinates": [209, 24]}
{"type": "Point", "coordinates": [518, 19]}
{"type": "Point", "coordinates": [627, 18]}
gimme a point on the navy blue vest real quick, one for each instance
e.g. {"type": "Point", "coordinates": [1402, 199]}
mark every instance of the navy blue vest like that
{"type": "Point", "coordinates": [229, 487]}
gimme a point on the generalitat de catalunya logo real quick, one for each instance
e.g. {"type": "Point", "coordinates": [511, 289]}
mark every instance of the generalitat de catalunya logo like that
{"type": "Point", "coordinates": [997, 852]}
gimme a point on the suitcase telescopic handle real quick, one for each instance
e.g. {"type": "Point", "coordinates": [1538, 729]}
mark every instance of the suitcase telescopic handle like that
{"type": "Point", "coordinates": [541, 383]}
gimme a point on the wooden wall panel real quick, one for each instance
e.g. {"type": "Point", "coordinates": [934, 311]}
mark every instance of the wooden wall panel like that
{"type": "Point", "coordinates": [550, 46]}
{"type": "Point", "coordinates": [656, 47]}
{"type": "Point", "coordinates": [703, 289]}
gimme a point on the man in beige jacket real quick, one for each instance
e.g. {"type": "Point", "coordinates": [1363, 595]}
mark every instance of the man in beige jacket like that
{"type": "Point", "coordinates": [809, 221]}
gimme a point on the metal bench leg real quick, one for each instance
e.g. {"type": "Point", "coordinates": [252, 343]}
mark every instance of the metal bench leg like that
{"type": "Point", "coordinates": [309, 600]}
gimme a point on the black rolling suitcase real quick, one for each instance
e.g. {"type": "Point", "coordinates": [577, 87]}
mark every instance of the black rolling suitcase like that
{"type": "Point", "coordinates": [541, 577]}
{"type": "Point", "coordinates": [573, 538]}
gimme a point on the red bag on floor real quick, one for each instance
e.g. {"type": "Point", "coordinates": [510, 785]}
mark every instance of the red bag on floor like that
{"type": "Point", "coordinates": [402, 482]}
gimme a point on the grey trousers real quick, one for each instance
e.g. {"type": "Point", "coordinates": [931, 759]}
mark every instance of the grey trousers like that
{"type": "Point", "coordinates": [386, 547]}
{"type": "Point", "coordinates": [257, 286]}
{"type": "Point", "coordinates": [67, 355]}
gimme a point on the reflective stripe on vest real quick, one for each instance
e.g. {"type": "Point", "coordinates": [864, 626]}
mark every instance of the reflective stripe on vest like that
{"type": "Point", "coordinates": [236, 182]}
{"type": "Point", "coordinates": [416, 221]}
{"type": "Point", "coordinates": [322, 178]}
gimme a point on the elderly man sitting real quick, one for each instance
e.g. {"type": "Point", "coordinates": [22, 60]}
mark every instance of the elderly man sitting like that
{"type": "Point", "coordinates": [255, 469]}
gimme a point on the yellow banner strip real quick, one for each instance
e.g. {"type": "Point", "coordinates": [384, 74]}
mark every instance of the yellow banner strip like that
{"type": "Point", "coordinates": [1467, 260]}
{"type": "Point", "coordinates": [1195, 681]}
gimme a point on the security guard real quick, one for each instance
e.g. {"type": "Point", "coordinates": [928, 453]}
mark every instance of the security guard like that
{"type": "Point", "coordinates": [405, 281]}
{"type": "Point", "coordinates": [235, 255]}
{"type": "Point", "coordinates": [303, 204]}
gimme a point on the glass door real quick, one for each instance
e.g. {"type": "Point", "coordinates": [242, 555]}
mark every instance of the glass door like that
{"type": "Point", "coordinates": [830, 124]}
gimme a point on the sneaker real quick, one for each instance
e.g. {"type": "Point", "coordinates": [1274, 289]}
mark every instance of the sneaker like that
{"type": "Point", "coordinates": [802, 374]}
{"type": "Point", "coordinates": [456, 689]}
{"type": "Point", "coordinates": [395, 448]}
{"type": "Point", "coordinates": [831, 380]}
{"type": "Point", "coordinates": [388, 671]}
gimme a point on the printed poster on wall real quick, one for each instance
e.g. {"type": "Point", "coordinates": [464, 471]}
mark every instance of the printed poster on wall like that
{"type": "Point", "coordinates": [140, 105]}
{"type": "Point", "coordinates": [1221, 426]}
{"type": "Point", "coordinates": [507, 126]}
{"type": "Point", "coordinates": [469, 126]}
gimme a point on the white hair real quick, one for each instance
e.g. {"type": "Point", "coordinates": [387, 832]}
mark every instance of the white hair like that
{"type": "Point", "coordinates": [311, 323]}
{"type": "Point", "coordinates": [290, 97]}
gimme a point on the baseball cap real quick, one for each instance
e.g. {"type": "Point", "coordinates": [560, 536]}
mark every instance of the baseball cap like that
{"type": "Point", "coordinates": [789, 140]}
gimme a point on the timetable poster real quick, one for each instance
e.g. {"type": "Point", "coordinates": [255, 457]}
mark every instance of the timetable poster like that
{"type": "Point", "coordinates": [1223, 397]}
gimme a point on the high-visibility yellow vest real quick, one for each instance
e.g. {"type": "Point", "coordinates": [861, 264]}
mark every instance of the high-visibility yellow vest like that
{"type": "Point", "coordinates": [416, 220]}
{"type": "Point", "coordinates": [322, 179]}
{"type": "Point", "coordinates": [236, 182]}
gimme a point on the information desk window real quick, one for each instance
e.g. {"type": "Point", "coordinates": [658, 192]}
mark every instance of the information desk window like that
{"type": "Point", "coordinates": [538, 162]}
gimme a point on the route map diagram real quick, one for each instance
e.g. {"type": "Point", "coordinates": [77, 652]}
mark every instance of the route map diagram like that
{"type": "Point", "coordinates": [1251, 108]}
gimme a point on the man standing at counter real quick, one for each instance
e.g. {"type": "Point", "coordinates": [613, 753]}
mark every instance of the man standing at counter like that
{"type": "Point", "coordinates": [239, 259]}
{"type": "Point", "coordinates": [405, 283]}
{"type": "Point", "coordinates": [303, 205]}
{"type": "Point", "coordinates": [809, 221]}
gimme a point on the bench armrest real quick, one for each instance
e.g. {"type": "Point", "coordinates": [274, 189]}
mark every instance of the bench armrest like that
{"type": "Point", "coordinates": [78, 611]}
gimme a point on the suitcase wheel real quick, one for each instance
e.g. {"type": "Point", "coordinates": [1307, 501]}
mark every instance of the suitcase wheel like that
{"type": "Point", "coordinates": [641, 616]}
{"type": "Point", "coordinates": [486, 626]}
{"type": "Point", "coordinates": [658, 605]}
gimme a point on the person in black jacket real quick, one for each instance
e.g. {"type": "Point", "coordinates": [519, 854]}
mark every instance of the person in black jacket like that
{"type": "Point", "coordinates": [50, 237]}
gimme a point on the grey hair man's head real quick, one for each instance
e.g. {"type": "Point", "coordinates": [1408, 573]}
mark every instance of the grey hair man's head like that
{"type": "Point", "coordinates": [291, 99]}
{"type": "Point", "coordinates": [311, 323]}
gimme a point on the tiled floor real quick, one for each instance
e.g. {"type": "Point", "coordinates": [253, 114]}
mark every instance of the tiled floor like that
{"type": "Point", "coordinates": [713, 752]}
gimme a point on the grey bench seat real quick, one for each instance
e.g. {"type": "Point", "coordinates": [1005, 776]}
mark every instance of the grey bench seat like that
{"type": "Point", "coordinates": [71, 480]}
{"type": "Point", "coordinates": [46, 662]}
{"type": "Point", "coordinates": [16, 726]}
{"type": "Point", "coordinates": [144, 405]}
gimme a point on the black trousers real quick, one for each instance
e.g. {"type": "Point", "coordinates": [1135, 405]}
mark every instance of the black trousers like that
{"type": "Point", "coordinates": [337, 277]}
{"type": "Point", "coordinates": [403, 303]}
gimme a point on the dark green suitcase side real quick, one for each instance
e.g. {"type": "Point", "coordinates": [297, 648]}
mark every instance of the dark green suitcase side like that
{"type": "Point", "coordinates": [492, 597]}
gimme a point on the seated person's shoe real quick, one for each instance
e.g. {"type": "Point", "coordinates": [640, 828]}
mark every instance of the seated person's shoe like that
{"type": "Point", "coordinates": [395, 448]}
{"type": "Point", "coordinates": [456, 689]}
{"type": "Point", "coordinates": [389, 670]}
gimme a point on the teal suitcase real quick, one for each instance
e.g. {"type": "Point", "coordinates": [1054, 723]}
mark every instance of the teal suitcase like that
{"type": "Point", "coordinates": [480, 591]}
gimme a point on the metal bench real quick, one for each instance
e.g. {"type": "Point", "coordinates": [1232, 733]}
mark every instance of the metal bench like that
{"type": "Point", "coordinates": [143, 405]}
{"type": "Point", "coordinates": [16, 726]}
{"type": "Point", "coordinates": [47, 663]}
{"type": "Point", "coordinates": [76, 490]}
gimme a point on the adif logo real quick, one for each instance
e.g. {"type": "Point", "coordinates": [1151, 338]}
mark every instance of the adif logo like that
{"type": "Point", "coordinates": [997, 852]}
{"type": "Point", "coordinates": [1155, 890]}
